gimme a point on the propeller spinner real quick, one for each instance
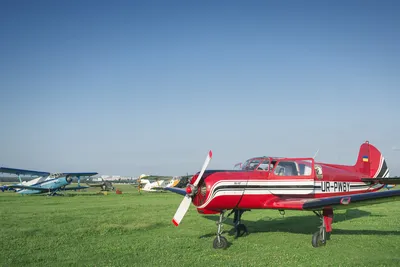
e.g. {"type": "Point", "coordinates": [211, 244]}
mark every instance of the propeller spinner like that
{"type": "Point", "coordinates": [190, 192]}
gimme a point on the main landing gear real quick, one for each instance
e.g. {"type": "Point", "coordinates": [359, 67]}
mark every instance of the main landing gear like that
{"type": "Point", "coordinates": [319, 237]}
{"type": "Point", "coordinates": [54, 193]}
{"type": "Point", "coordinates": [240, 229]}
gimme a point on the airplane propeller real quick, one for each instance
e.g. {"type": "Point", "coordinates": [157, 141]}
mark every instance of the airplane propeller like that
{"type": "Point", "coordinates": [190, 191]}
{"type": "Point", "coordinates": [69, 179]}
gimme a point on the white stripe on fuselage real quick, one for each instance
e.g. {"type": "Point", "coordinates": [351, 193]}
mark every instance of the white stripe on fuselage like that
{"type": "Point", "coordinates": [278, 188]}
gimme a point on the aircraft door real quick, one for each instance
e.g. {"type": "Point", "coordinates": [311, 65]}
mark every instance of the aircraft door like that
{"type": "Point", "coordinates": [292, 177]}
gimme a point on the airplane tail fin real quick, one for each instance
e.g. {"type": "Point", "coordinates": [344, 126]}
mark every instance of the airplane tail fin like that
{"type": "Point", "coordinates": [371, 162]}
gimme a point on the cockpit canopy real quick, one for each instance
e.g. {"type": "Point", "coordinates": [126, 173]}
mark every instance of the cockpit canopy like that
{"type": "Point", "coordinates": [261, 164]}
{"type": "Point", "coordinates": [280, 166]}
{"type": "Point", "coordinates": [56, 175]}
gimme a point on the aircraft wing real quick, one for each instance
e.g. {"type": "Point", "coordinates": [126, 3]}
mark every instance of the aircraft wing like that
{"type": "Point", "coordinates": [29, 187]}
{"type": "Point", "coordinates": [23, 172]}
{"type": "Point", "coordinates": [176, 190]}
{"type": "Point", "coordinates": [74, 188]}
{"type": "Point", "coordinates": [337, 202]}
{"type": "Point", "coordinates": [389, 180]}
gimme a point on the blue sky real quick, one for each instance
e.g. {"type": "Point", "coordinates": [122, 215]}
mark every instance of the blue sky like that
{"type": "Point", "coordinates": [135, 87]}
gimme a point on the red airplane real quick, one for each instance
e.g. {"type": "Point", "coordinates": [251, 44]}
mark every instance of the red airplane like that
{"type": "Point", "coordinates": [288, 184]}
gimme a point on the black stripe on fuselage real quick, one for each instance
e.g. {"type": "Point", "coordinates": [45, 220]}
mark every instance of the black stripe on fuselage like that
{"type": "Point", "coordinates": [268, 186]}
{"type": "Point", "coordinates": [209, 172]}
{"type": "Point", "coordinates": [275, 187]}
{"type": "Point", "coordinates": [281, 186]}
{"type": "Point", "coordinates": [383, 169]}
{"type": "Point", "coordinates": [229, 188]}
{"type": "Point", "coordinates": [386, 173]}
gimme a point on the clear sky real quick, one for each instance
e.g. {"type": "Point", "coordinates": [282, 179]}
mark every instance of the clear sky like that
{"type": "Point", "coordinates": [135, 87]}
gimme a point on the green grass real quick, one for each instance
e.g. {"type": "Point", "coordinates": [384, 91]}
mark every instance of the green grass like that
{"type": "Point", "coordinates": [85, 229]}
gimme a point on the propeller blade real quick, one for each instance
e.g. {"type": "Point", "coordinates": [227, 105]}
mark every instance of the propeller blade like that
{"type": "Point", "coordinates": [187, 199]}
{"type": "Point", "coordinates": [183, 208]}
{"type": "Point", "coordinates": [209, 156]}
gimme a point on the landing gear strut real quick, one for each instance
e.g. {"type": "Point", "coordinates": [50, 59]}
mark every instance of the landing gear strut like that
{"type": "Point", "coordinates": [319, 237]}
{"type": "Point", "coordinates": [54, 193]}
{"type": "Point", "coordinates": [220, 241]}
{"type": "Point", "coordinates": [240, 228]}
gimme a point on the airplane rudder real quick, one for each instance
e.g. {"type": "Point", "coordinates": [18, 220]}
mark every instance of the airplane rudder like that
{"type": "Point", "coordinates": [371, 162]}
{"type": "Point", "coordinates": [379, 167]}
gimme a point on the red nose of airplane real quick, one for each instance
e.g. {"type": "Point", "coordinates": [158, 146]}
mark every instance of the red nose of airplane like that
{"type": "Point", "coordinates": [189, 190]}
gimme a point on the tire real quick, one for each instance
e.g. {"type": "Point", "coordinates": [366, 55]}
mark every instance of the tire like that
{"type": "Point", "coordinates": [317, 240]}
{"type": "Point", "coordinates": [241, 229]}
{"type": "Point", "coordinates": [222, 244]}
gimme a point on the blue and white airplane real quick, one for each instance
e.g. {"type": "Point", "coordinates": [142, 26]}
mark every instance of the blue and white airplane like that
{"type": "Point", "coordinates": [50, 183]}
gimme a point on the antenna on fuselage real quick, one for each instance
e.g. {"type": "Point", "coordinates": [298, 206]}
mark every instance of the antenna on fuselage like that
{"type": "Point", "coordinates": [316, 153]}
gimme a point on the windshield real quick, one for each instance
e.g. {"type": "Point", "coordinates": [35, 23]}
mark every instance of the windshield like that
{"type": "Point", "coordinates": [260, 164]}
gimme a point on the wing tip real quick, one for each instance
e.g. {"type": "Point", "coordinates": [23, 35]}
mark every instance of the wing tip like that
{"type": "Point", "coordinates": [210, 154]}
{"type": "Point", "coordinates": [175, 222]}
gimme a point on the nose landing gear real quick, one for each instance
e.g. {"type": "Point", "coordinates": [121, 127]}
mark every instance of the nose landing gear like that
{"type": "Point", "coordinates": [220, 241]}
{"type": "Point", "coordinates": [240, 228]}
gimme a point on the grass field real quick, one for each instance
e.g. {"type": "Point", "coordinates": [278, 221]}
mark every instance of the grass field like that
{"type": "Point", "coordinates": [86, 229]}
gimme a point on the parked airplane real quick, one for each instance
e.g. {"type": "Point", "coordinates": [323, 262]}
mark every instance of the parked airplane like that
{"type": "Point", "coordinates": [104, 185]}
{"type": "Point", "coordinates": [152, 186]}
{"type": "Point", "coordinates": [173, 182]}
{"type": "Point", "coordinates": [50, 183]}
{"type": "Point", "coordinates": [42, 176]}
{"type": "Point", "coordinates": [288, 184]}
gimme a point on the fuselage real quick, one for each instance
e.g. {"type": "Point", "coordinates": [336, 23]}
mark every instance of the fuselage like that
{"type": "Point", "coordinates": [50, 184]}
{"type": "Point", "coordinates": [150, 186]}
{"type": "Point", "coordinates": [258, 188]}
{"type": "Point", "coordinates": [30, 182]}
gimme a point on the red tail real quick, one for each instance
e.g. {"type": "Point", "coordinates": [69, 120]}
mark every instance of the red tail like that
{"type": "Point", "coordinates": [371, 162]}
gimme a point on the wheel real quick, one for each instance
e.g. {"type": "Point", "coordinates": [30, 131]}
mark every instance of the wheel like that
{"type": "Point", "coordinates": [317, 240]}
{"type": "Point", "coordinates": [222, 243]}
{"type": "Point", "coordinates": [240, 228]}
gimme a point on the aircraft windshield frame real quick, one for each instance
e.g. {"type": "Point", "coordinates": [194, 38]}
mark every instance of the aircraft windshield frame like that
{"type": "Point", "coordinates": [259, 164]}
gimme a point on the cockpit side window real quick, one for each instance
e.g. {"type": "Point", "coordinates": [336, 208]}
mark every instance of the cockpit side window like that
{"type": "Point", "coordinates": [264, 166]}
{"type": "Point", "coordinates": [251, 164]}
{"type": "Point", "coordinates": [259, 164]}
{"type": "Point", "coordinates": [299, 167]}
{"type": "Point", "coordinates": [286, 168]}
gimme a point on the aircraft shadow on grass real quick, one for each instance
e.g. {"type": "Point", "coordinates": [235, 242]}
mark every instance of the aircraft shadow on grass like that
{"type": "Point", "coordinates": [300, 224]}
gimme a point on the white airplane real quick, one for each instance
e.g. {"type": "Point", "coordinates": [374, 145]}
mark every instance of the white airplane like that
{"type": "Point", "coordinates": [149, 186]}
{"type": "Point", "coordinates": [173, 182]}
